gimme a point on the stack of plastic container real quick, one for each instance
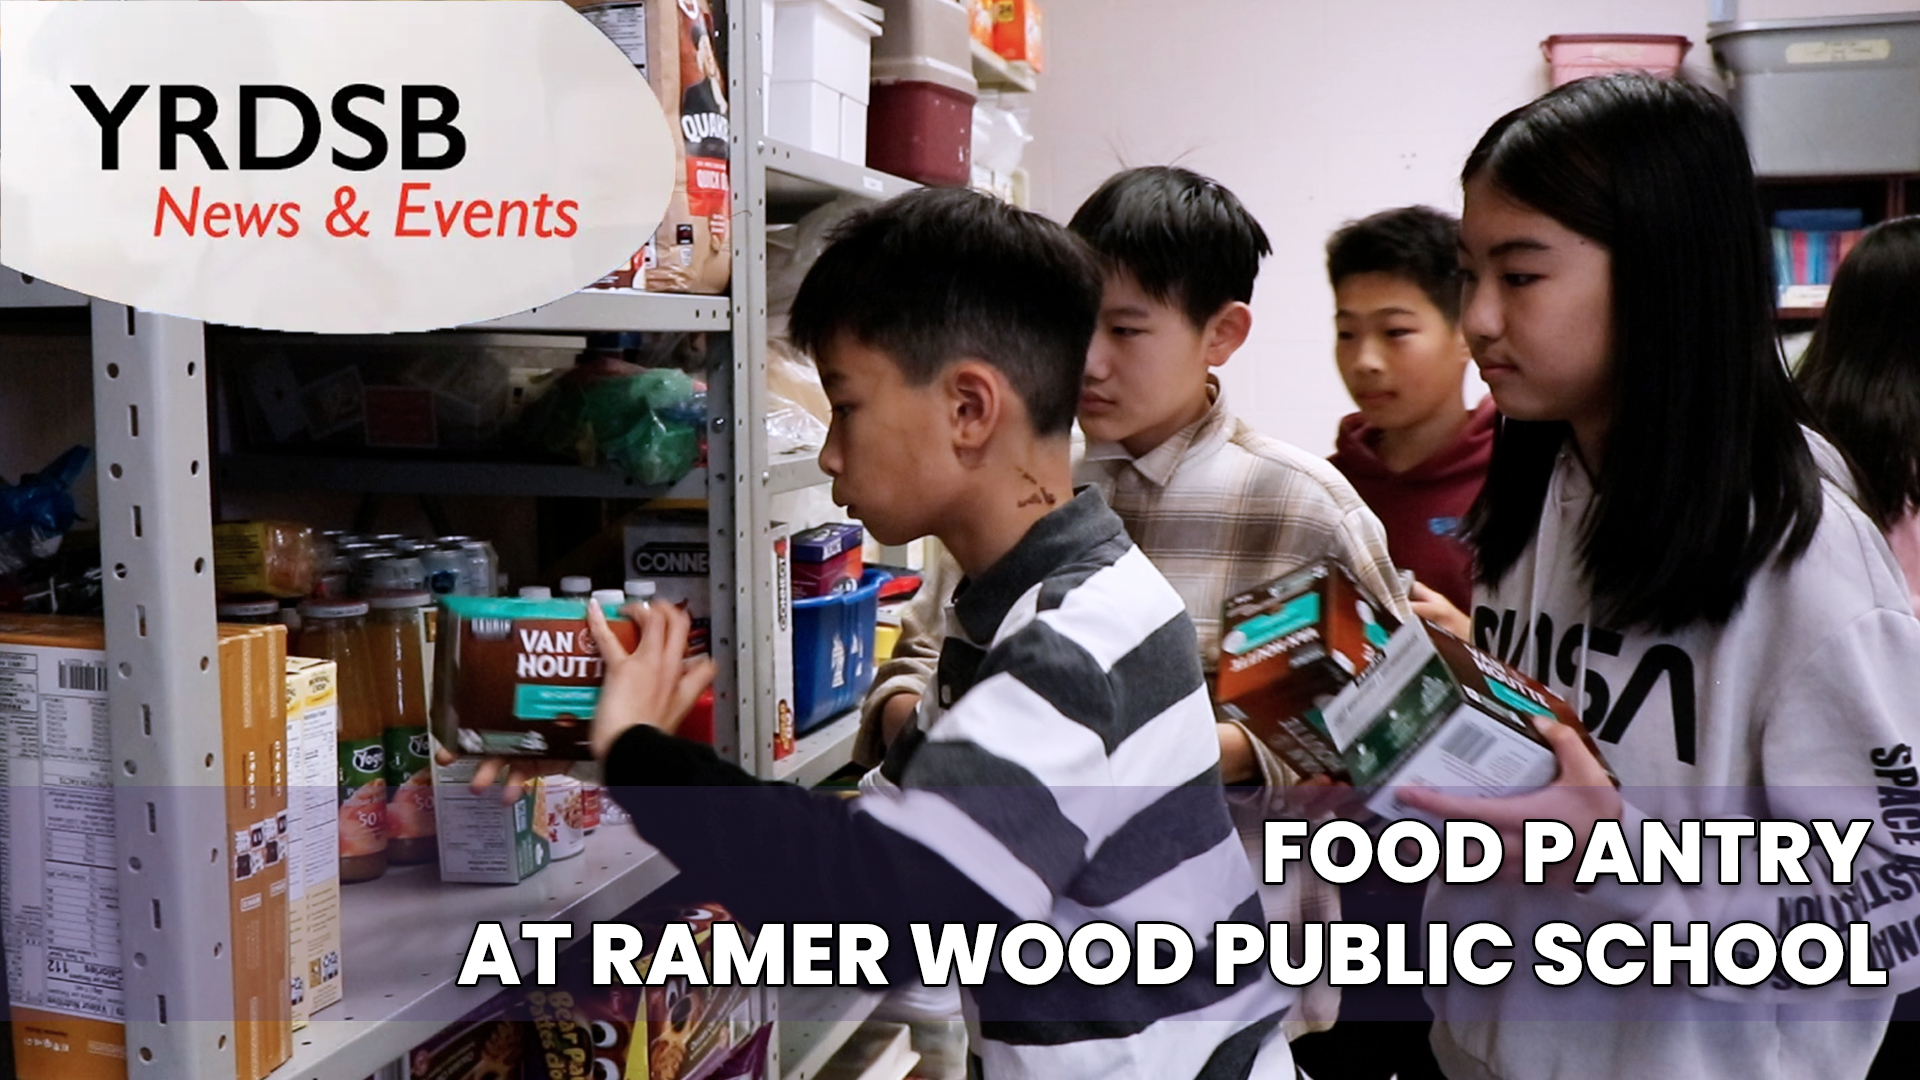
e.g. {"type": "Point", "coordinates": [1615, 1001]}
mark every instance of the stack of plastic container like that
{"type": "Point", "coordinates": [920, 116]}
{"type": "Point", "coordinates": [822, 52]}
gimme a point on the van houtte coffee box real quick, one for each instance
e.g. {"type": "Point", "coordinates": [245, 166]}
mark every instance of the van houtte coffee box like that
{"type": "Point", "coordinates": [1286, 648]}
{"type": "Point", "coordinates": [518, 677]}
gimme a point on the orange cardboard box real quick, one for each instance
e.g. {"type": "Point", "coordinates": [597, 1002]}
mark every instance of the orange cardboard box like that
{"type": "Point", "coordinates": [1016, 32]}
{"type": "Point", "coordinates": [254, 738]}
{"type": "Point", "coordinates": [980, 21]}
{"type": "Point", "coordinates": [68, 1014]}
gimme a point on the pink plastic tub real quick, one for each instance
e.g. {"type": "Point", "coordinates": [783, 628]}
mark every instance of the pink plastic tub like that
{"type": "Point", "coordinates": [1576, 56]}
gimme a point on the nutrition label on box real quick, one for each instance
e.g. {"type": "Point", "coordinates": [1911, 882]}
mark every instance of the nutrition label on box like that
{"type": "Point", "coordinates": [59, 894]}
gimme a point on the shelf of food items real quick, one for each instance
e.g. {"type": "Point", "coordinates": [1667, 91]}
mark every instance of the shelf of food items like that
{"type": "Point", "coordinates": [602, 309]}
{"type": "Point", "coordinates": [871, 99]}
{"type": "Point", "coordinates": [338, 654]}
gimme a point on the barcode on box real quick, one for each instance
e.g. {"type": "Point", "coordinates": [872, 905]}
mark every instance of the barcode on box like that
{"type": "Point", "coordinates": [83, 675]}
{"type": "Point", "coordinates": [1468, 744]}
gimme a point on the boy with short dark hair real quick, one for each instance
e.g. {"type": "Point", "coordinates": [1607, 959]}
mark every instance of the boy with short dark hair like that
{"type": "Point", "coordinates": [1066, 769]}
{"type": "Point", "coordinates": [1414, 450]}
{"type": "Point", "coordinates": [1216, 506]}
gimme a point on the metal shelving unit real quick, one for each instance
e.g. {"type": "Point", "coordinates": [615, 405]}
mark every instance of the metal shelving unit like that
{"type": "Point", "coordinates": [407, 931]}
{"type": "Point", "coordinates": [995, 72]}
{"type": "Point", "coordinates": [17, 290]}
{"type": "Point", "coordinates": [272, 472]}
{"type": "Point", "coordinates": [831, 1015]}
{"type": "Point", "coordinates": [821, 752]}
{"type": "Point", "coordinates": [797, 180]}
{"type": "Point", "coordinates": [594, 311]}
{"type": "Point", "coordinates": [793, 472]}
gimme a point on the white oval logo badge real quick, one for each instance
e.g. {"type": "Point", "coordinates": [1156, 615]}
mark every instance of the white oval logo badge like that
{"type": "Point", "coordinates": [352, 167]}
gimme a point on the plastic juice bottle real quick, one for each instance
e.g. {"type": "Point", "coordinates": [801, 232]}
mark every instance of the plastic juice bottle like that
{"type": "Point", "coordinates": [336, 630]}
{"type": "Point", "coordinates": [396, 639]}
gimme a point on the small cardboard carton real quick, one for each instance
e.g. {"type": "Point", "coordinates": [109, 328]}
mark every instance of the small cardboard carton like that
{"type": "Point", "coordinates": [671, 549]}
{"type": "Point", "coordinates": [1286, 648]}
{"type": "Point", "coordinates": [1435, 712]}
{"type": "Point", "coordinates": [482, 841]}
{"type": "Point", "coordinates": [313, 864]}
{"type": "Point", "coordinates": [783, 727]}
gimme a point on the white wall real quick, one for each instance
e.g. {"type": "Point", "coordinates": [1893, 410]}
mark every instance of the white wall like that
{"type": "Point", "coordinates": [1315, 112]}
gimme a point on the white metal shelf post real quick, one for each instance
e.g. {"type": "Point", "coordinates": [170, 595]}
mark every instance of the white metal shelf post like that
{"type": "Point", "coordinates": [753, 571]}
{"type": "Point", "coordinates": [156, 545]}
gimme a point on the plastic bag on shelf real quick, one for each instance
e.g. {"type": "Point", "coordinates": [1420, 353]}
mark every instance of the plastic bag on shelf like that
{"type": "Point", "coordinates": [36, 513]}
{"type": "Point", "coordinates": [647, 422]}
{"type": "Point", "coordinates": [791, 252]}
{"type": "Point", "coordinates": [797, 408]}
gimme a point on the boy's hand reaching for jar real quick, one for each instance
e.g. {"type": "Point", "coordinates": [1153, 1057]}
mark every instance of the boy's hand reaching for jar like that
{"type": "Point", "coordinates": [653, 685]}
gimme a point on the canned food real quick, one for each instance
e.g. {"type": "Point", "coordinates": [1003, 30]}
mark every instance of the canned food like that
{"type": "Point", "coordinates": [392, 575]}
{"type": "Point", "coordinates": [482, 568]}
{"type": "Point", "coordinates": [566, 816]}
{"type": "Point", "coordinates": [444, 568]}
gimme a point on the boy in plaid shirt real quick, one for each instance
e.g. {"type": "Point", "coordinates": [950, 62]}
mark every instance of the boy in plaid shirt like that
{"type": "Point", "coordinates": [1216, 506]}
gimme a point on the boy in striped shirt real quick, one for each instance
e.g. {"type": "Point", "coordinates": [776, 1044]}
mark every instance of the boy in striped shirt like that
{"type": "Point", "coordinates": [1071, 775]}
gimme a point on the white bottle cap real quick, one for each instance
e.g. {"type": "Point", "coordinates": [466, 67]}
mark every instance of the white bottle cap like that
{"type": "Point", "coordinates": [640, 590]}
{"type": "Point", "coordinates": [535, 592]}
{"type": "Point", "coordinates": [612, 598]}
{"type": "Point", "coordinates": [576, 585]}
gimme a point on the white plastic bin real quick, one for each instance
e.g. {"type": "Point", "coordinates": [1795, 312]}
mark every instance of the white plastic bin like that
{"type": "Point", "coordinates": [822, 70]}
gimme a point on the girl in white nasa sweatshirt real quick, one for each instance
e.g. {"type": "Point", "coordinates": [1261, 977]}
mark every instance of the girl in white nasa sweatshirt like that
{"type": "Point", "coordinates": [1660, 542]}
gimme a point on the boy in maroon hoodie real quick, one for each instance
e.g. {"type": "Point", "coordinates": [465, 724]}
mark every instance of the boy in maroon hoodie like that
{"type": "Point", "coordinates": [1414, 451]}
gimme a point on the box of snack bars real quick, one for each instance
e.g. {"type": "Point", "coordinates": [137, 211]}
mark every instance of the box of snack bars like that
{"type": "Point", "coordinates": [254, 730]}
{"type": "Point", "coordinates": [492, 1042]}
{"type": "Point", "coordinates": [313, 860]}
{"type": "Point", "coordinates": [671, 549]}
{"type": "Point", "coordinates": [1435, 712]}
{"type": "Point", "coordinates": [482, 841]}
{"type": "Point", "coordinates": [518, 677]}
{"type": "Point", "coordinates": [67, 996]}
{"type": "Point", "coordinates": [783, 726]}
{"type": "Point", "coordinates": [827, 560]}
{"type": "Point", "coordinates": [673, 1031]}
{"type": "Point", "coordinates": [1286, 648]}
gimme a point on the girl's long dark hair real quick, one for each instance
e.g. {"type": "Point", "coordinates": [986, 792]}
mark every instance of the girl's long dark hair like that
{"type": "Point", "coordinates": [1707, 475]}
{"type": "Point", "coordinates": [1861, 374]}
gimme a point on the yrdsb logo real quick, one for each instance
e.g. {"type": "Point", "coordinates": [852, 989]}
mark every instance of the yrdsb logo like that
{"type": "Point", "coordinates": [343, 167]}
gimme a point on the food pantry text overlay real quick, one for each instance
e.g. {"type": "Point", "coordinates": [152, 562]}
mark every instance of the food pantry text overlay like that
{"type": "Point", "coordinates": [1804, 949]}
{"type": "Point", "coordinates": [428, 141]}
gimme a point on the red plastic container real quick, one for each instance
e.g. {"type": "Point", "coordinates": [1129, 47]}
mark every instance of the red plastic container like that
{"type": "Point", "coordinates": [1576, 56]}
{"type": "Point", "coordinates": [922, 131]}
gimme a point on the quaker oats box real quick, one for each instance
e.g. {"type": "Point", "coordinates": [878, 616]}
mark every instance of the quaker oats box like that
{"type": "Point", "coordinates": [518, 677]}
{"type": "Point", "coordinates": [1286, 648]}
